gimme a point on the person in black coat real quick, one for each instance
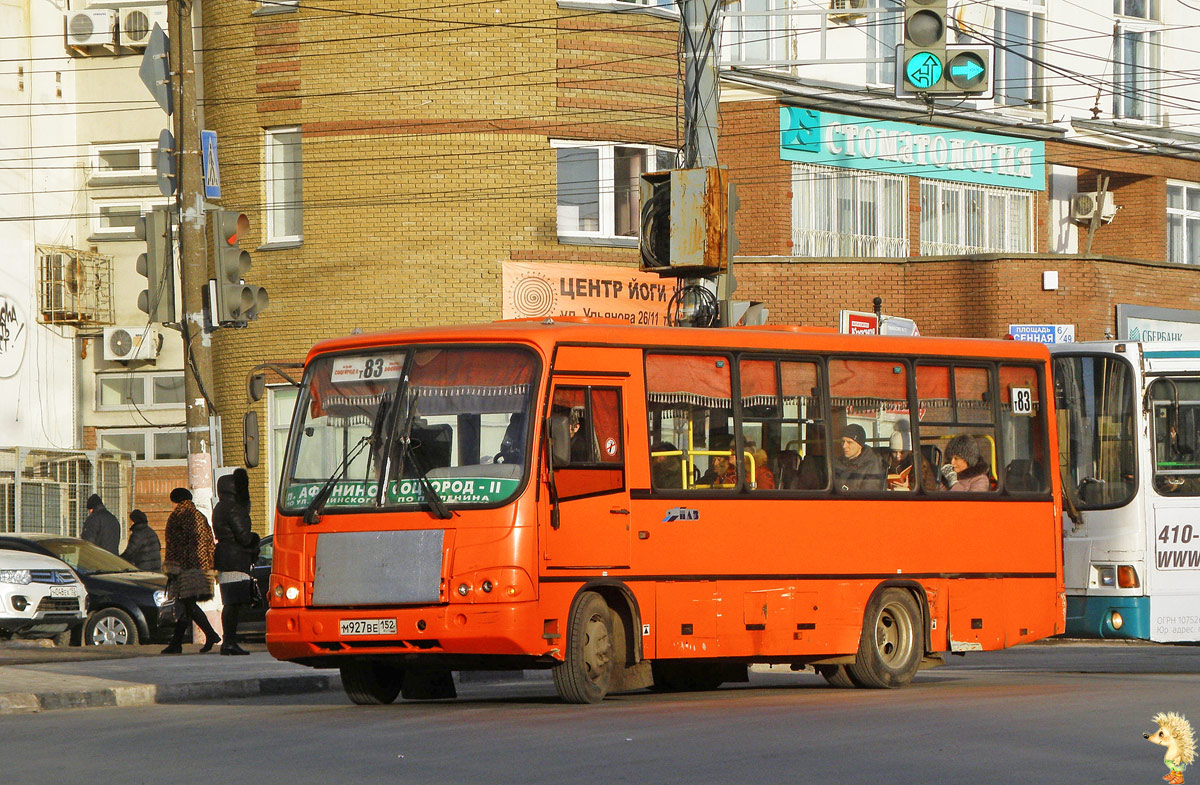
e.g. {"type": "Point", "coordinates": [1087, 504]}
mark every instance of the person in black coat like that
{"type": "Point", "coordinates": [101, 527]}
{"type": "Point", "coordinates": [143, 549]}
{"type": "Point", "coordinates": [237, 549]}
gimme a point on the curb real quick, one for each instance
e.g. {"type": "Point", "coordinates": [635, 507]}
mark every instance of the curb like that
{"type": "Point", "coordinates": [150, 694]}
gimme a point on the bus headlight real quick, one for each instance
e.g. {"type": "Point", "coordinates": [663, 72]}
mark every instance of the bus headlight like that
{"type": "Point", "coordinates": [1106, 576]}
{"type": "Point", "coordinates": [1115, 620]}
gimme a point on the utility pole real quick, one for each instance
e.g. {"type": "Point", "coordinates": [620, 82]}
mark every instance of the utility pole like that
{"type": "Point", "coordinates": [193, 254]}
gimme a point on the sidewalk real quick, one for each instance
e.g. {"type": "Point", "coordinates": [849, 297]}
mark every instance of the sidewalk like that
{"type": "Point", "coordinates": [40, 678]}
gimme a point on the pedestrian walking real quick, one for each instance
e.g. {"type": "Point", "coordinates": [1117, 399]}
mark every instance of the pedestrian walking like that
{"type": "Point", "coordinates": [237, 550]}
{"type": "Point", "coordinates": [101, 527]}
{"type": "Point", "coordinates": [188, 565]}
{"type": "Point", "coordinates": [143, 549]}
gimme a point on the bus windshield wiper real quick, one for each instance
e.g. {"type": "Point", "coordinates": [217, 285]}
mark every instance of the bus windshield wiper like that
{"type": "Point", "coordinates": [436, 505]}
{"type": "Point", "coordinates": [312, 513]}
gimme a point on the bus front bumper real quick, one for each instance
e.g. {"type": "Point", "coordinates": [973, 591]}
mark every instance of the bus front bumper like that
{"type": "Point", "coordinates": [1108, 617]}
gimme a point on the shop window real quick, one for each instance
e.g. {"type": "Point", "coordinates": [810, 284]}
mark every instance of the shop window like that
{"type": "Point", "coordinates": [598, 189]}
{"type": "Point", "coordinates": [1183, 223]}
{"type": "Point", "coordinates": [868, 404]}
{"type": "Point", "coordinates": [958, 218]}
{"type": "Point", "coordinates": [840, 212]}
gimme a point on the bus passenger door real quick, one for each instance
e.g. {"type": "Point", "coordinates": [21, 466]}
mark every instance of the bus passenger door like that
{"type": "Point", "coordinates": [586, 423]}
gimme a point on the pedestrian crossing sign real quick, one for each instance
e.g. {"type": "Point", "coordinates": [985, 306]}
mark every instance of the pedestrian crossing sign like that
{"type": "Point", "coordinates": [212, 168]}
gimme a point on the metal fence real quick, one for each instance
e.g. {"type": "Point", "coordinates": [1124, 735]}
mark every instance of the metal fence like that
{"type": "Point", "coordinates": [45, 490]}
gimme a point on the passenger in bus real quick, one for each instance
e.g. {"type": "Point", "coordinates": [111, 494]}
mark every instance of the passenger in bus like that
{"type": "Point", "coordinates": [966, 469]}
{"type": "Point", "coordinates": [722, 470]}
{"type": "Point", "coordinates": [900, 464]}
{"type": "Point", "coordinates": [666, 471]}
{"type": "Point", "coordinates": [859, 468]}
{"type": "Point", "coordinates": [764, 480]}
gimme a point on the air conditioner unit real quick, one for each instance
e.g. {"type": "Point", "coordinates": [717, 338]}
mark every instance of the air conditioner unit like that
{"type": "Point", "coordinates": [93, 27]}
{"type": "Point", "coordinates": [1084, 206]}
{"type": "Point", "coordinates": [846, 5]}
{"type": "Point", "coordinates": [131, 343]}
{"type": "Point", "coordinates": [137, 22]}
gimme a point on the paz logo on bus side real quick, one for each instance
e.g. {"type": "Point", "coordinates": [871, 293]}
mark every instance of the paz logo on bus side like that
{"type": "Point", "coordinates": [681, 514]}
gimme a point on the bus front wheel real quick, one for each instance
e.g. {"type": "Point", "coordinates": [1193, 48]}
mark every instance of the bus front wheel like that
{"type": "Point", "coordinates": [586, 671]}
{"type": "Point", "coordinates": [890, 650]}
{"type": "Point", "coordinates": [369, 683]}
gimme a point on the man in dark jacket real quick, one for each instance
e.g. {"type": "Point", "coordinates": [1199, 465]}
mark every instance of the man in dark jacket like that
{"type": "Point", "coordinates": [861, 468]}
{"type": "Point", "coordinates": [101, 526]}
{"type": "Point", "coordinates": [143, 549]}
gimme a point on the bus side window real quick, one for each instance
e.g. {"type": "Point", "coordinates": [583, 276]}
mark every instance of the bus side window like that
{"type": "Point", "coordinates": [1022, 431]}
{"type": "Point", "coordinates": [586, 444]}
{"type": "Point", "coordinates": [690, 412]}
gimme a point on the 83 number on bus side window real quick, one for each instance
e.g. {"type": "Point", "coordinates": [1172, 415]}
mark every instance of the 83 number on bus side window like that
{"type": "Point", "coordinates": [1022, 400]}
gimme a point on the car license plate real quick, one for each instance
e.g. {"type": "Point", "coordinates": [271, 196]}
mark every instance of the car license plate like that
{"type": "Point", "coordinates": [368, 626]}
{"type": "Point", "coordinates": [64, 591]}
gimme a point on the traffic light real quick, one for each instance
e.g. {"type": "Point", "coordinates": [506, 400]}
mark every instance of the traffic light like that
{"type": "Point", "coordinates": [237, 302]}
{"type": "Point", "coordinates": [157, 300]}
{"type": "Point", "coordinates": [969, 70]}
{"type": "Point", "coordinates": [925, 45]}
{"type": "Point", "coordinates": [684, 222]}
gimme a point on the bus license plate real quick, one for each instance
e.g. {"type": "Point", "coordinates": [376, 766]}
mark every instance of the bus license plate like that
{"type": "Point", "coordinates": [368, 626]}
{"type": "Point", "coordinates": [64, 591]}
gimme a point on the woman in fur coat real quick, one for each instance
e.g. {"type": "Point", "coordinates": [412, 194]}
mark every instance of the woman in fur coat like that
{"type": "Point", "coordinates": [965, 470]}
{"type": "Point", "coordinates": [189, 565]}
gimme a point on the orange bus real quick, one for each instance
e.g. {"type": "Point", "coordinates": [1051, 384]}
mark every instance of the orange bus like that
{"type": "Point", "coordinates": [661, 507]}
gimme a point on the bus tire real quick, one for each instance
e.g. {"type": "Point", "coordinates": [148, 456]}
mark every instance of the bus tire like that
{"type": "Point", "coordinates": [836, 675]}
{"type": "Point", "coordinates": [370, 683]}
{"type": "Point", "coordinates": [891, 646]}
{"type": "Point", "coordinates": [586, 671]}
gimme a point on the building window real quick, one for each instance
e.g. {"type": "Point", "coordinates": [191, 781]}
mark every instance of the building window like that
{"type": "Point", "coordinates": [1183, 223]}
{"type": "Point", "coordinates": [121, 161]}
{"type": "Point", "coordinates": [1139, 9]}
{"type": "Point", "coordinates": [957, 218]}
{"type": "Point", "coordinates": [883, 36]}
{"type": "Point", "coordinates": [752, 35]}
{"type": "Point", "coordinates": [284, 192]}
{"type": "Point", "coordinates": [116, 219]}
{"type": "Point", "coordinates": [147, 444]}
{"type": "Point", "coordinates": [598, 187]}
{"type": "Point", "coordinates": [1135, 65]}
{"type": "Point", "coordinates": [116, 391]}
{"type": "Point", "coordinates": [838, 212]}
{"type": "Point", "coordinates": [1019, 35]}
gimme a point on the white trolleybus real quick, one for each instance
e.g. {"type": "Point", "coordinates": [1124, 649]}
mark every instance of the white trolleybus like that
{"type": "Point", "coordinates": [1129, 449]}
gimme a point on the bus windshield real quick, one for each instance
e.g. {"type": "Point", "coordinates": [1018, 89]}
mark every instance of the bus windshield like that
{"type": "Point", "coordinates": [1096, 400]}
{"type": "Point", "coordinates": [388, 427]}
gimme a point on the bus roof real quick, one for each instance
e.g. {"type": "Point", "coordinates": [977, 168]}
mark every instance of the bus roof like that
{"type": "Point", "coordinates": [547, 332]}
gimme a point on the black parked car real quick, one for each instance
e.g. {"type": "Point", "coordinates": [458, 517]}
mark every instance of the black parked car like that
{"type": "Point", "coordinates": [253, 620]}
{"type": "Point", "coordinates": [125, 605]}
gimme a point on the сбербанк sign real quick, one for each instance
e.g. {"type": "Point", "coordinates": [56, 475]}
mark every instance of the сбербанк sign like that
{"type": "Point", "coordinates": [828, 139]}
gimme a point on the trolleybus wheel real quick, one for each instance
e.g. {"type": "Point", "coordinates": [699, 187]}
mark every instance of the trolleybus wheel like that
{"type": "Point", "coordinates": [370, 683]}
{"type": "Point", "coordinates": [890, 650]}
{"type": "Point", "coordinates": [587, 668]}
{"type": "Point", "coordinates": [836, 675]}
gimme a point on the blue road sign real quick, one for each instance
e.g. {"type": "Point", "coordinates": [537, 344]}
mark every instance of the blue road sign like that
{"type": "Point", "coordinates": [212, 168]}
{"type": "Point", "coordinates": [923, 70]}
{"type": "Point", "coordinates": [1043, 333]}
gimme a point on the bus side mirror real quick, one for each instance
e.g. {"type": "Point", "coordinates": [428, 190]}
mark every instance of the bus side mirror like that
{"type": "Point", "coordinates": [560, 441]}
{"type": "Point", "coordinates": [250, 439]}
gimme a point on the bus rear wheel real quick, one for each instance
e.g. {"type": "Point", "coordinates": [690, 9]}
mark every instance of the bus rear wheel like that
{"type": "Point", "coordinates": [369, 683]}
{"type": "Point", "coordinates": [890, 650]}
{"type": "Point", "coordinates": [586, 672]}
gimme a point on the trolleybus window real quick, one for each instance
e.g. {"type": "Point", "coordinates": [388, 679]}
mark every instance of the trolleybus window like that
{"type": "Point", "coordinates": [1176, 409]}
{"type": "Point", "coordinates": [448, 421]}
{"type": "Point", "coordinates": [1096, 411]}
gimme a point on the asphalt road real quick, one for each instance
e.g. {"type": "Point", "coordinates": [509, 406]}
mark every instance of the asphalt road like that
{"type": "Point", "coordinates": [1040, 714]}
